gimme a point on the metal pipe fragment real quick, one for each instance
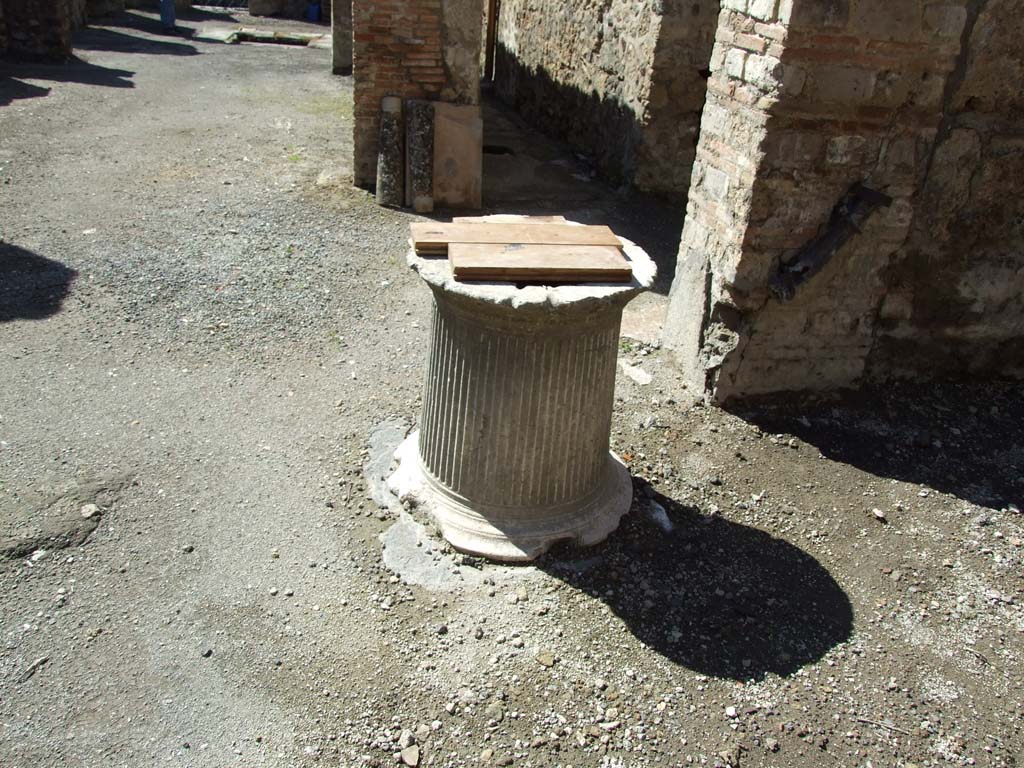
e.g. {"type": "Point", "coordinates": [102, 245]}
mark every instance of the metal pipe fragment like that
{"type": "Point", "coordinates": [847, 218]}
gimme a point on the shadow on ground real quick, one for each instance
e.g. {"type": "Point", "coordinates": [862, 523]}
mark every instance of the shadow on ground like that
{"type": "Point", "coordinates": [74, 70]}
{"type": "Point", "coordinates": [717, 597]}
{"type": "Point", "coordinates": [121, 42]}
{"type": "Point", "coordinates": [529, 173]}
{"type": "Point", "coordinates": [963, 439]}
{"type": "Point", "coordinates": [12, 90]}
{"type": "Point", "coordinates": [32, 287]}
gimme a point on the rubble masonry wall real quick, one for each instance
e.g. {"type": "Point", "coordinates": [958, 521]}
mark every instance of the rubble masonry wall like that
{"type": "Point", "coordinates": [622, 80]}
{"type": "Point", "coordinates": [40, 28]}
{"type": "Point", "coordinates": [806, 99]}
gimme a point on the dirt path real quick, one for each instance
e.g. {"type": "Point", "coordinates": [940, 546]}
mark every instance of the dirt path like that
{"type": "Point", "coordinates": [202, 328]}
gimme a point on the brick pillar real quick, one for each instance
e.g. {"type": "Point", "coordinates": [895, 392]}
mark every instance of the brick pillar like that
{"type": "Point", "coordinates": [423, 49]}
{"type": "Point", "coordinates": [806, 99]}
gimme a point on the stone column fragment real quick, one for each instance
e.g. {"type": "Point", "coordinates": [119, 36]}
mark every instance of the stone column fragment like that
{"type": "Point", "coordinates": [390, 156]}
{"type": "Point", "coordinates": [513, 454]}
{"type": "Point", "coordinates": [419, 154]}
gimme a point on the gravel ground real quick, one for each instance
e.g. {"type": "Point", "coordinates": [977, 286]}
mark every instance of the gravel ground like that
{"type": "Point", "coordinates": [209, 340]}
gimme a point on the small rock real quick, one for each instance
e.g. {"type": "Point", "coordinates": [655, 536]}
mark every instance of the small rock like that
{"type": "Point", "coordinates": [442, 629]}
{"type": "Point", "coordinates": [478, 633]}
{"type": "Point", "coordinates": [879, 514]}
{"type": "Point", "coordinates": [89, 511]}
{"type": "Point", "coordinates": [546, 658]}
{"type": "Point", "coordinates": [731, 712]}
{"type": "Point", "coordinates": [406, 739]}
{"type": "Point", "coordinates": [411, 756]}
{"type": "Point", "coordinates": [772, 745]}
{"type": "Point", "coordinates": [494, 711]}
{"type": "Point", "coordinates": [207, 653]}
{"type": "Point", "coordinates": [504, 760]}
{"type": "Point", "coordinates": [486, 755]}
{"type": "Point", "coordinates": [273, 591]}
{"type": "Point", "coordinates": [188, 549]}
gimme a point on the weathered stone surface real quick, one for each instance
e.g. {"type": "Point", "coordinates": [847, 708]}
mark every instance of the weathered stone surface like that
{"type": "Point", "coordinates": [391, 153]}
{"type": "Point", "coordinates": [419, 155]}
{"type": "Point", "coordinates": [341, 37]}
{"type": "Point", "coordinates": [929, 283]}
{"type": "Point", "coordinates": [621, 80]}
{"type": "Point", "coordinates": [512, 452]}
{"type": "Point", "coordinates": [41, 30]}
{"type": "Point", "coordinates": [458, 155]}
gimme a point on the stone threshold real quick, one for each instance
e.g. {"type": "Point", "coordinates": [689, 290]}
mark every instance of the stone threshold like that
{"type": "Point", "coordinates": [233, 35]}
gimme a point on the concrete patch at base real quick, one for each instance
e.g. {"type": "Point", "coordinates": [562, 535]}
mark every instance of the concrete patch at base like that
{"type": "Point", "coordinates": [412, 554]}
{"type": "Point", "coordinates": [384, 441]}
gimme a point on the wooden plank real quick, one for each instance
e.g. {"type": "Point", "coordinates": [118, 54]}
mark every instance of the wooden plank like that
{"type": "Point", "coordinates": [531, 262]}
{"type": "Point", "coordinates": [434, 237]}
{"type": "Point", "coordinates": [505, 218]}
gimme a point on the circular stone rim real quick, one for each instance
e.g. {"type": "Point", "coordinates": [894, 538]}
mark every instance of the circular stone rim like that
{"type": "Point", "coordinates": [436, 271]}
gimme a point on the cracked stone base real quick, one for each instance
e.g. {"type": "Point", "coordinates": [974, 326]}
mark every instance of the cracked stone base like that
{"type": "Point", "coordinates": [513, 534]}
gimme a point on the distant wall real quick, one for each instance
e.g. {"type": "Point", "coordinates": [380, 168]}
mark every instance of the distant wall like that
{"type": "Point", "coordinates": [622, 80]}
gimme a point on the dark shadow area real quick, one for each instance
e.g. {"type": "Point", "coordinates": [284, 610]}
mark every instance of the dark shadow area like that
{"type": "Point", "coordinates": [32, 287]}
{"type": "Point", "coordinates": [74, 70]}
{"type": "Point", "coordinates": [99, 39]}
{"type": "Point", "coordinates": [536, 175]}
{"type": "Point", "coordinates": [12, 90]}
{"type": "Point", "coordinates": [150, 24]}
{"type": "Point", "coordinates": [966, 439]}
{"type": "Point", "coordinates": [714, 596]}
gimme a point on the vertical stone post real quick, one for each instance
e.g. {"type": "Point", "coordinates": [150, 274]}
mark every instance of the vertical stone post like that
{"type": "Point", "coordinates": [512, 451]}
{"type": "Point", "coordinates": [341, 37]}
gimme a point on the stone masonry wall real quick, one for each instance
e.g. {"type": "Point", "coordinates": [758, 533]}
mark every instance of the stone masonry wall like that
{"type": "Point", "coordinates": [425, 49]}
{"type": "Point", "coordinates": [42, 28]}
{"type": "Point", "coordinates": [807, 99]}
{"type": "Point", "coordinates": [955, 303]}
{"type": "Point", "coordinates": [623, 80]}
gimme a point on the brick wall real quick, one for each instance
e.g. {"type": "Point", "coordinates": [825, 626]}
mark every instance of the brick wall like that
{"type": "Point", "coordinates": [621, 80]}
{"type": "Point", "coordinates": [412, 49]}
{"type": "Point", "coordinates": [806, 99]}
